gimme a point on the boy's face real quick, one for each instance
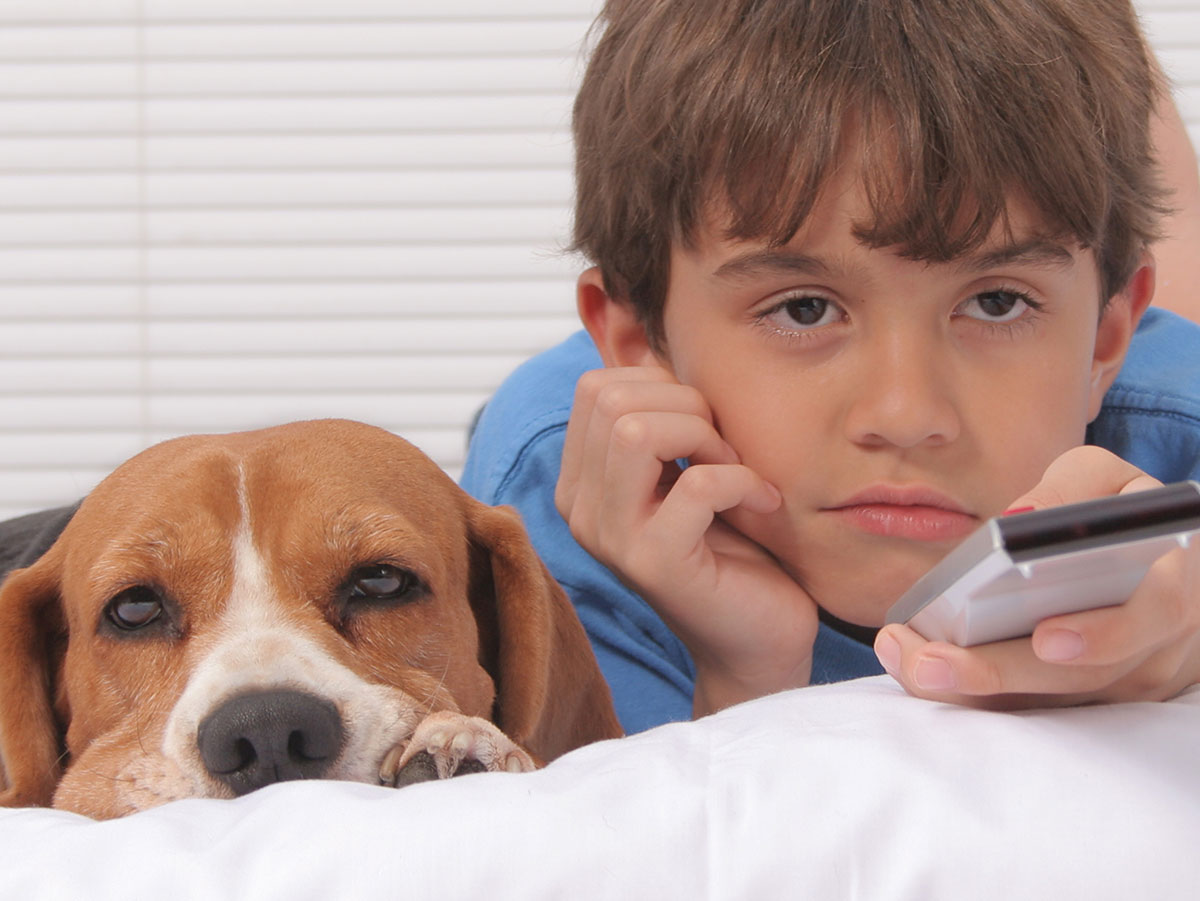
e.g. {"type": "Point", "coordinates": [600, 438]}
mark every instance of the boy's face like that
{"type": "Point", "coordinates": [896, 404]}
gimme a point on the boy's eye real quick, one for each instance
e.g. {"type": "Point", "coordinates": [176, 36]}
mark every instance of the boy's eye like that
{"type": "Point", "coordinates": [996, 306]}
{"type": "Point", "coordinates": [804, 313]}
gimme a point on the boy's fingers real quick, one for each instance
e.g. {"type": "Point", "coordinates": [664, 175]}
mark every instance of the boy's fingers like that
{"type": "Point", "coordinates": [988, 674]}
{"type": "Point", "coordinates": [678, 527]}
{"type": "Point", "coordinates": [640, 443]}
{"type": "Point", "coordinates": [1142, 648]}
{"type": "Point", "coordinates": [601, 397]}
{"type": "Point", "coordinates": [1163, 608]}
{"type": "Point", "coordinates": [1081, 474]}
{"type": "Point", "coordinates": [587, 390]}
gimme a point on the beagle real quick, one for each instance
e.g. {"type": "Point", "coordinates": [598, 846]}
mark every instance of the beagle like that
{"type": "Point", "coordinates": [314, 600]}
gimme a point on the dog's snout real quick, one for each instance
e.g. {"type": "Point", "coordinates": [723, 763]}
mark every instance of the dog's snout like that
{"type": "Point", "coordinates": [259, 738]}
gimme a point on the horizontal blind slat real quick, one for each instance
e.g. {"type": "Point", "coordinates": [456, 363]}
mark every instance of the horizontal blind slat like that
{"type": "Point", "coordinates": [235, 191]}
{"type": "Point", "coordinates": [84, 374]}
{"type": "Point", "coordinates": [233, 301]}
{"type": "Point", "coordinates": [359, 336]}
{"type": "Point", "coordinates": [302, 116]}
{"type": "Point", "coordinates": [282, 39]}
{"type": "Point", "coordinates": [22, 491]}
{"type": "Point", "coordinates": [450, 298]}
{"type": "Point", "coordinates": [25, 454]}
{"type": "Point", "coordinates": [213, 264]}
{"type": "Point", "coordinates": [350, 151]}
{"type": "Point", "coordinates": [371, 9]}
{"type": "Point", "coordinates": [463, 113]}
{"type": "Point", "coordinates": [50, 340]}
{"type": "Point", "coordinates": [472, 75]}
{"type": "Point", "coordinates": [306, 374]}
{"type": "Point", "coordinates": [67, 304]}
{"type": "Point", "coordinates": [67, 449]}
{"type": "Point", "coordinates": [130, 11]}
{"type": "Point", "coordinates": [101, 411]}
{"type": "Point", "coordinates": [537, 225]}
{"type": "Point", "coordinates": [184, 413]}
{"type": "Point", "coordinates": [561, 36]}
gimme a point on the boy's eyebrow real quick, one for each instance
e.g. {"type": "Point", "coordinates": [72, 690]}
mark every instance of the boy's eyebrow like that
{"type": "Point", "coordinates": [1030, 252]}
{"type": "Point", "coordinates": [758, 262]}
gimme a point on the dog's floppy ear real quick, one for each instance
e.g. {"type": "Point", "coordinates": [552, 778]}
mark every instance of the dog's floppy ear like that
{"type": "Point", "coordinates": [550, 694]}
{"type": "Point", "coordinates": [30, 628]}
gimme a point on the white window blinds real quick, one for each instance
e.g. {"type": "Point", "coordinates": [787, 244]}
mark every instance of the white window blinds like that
{"type": "Point", "coordinates": [1173, 27]}
{"type": "Point", "coordinates": [221, 214]}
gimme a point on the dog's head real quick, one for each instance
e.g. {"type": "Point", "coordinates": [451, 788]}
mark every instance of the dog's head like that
{"type": "Point", "coordinates": [227, 611]}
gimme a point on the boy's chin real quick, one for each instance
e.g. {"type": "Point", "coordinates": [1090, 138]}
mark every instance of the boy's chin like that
{"type": "Point", "coordinates": [855, 614]}
{"type": "Point", "coordinates": [862, 596]}
{"type": "Point", "coordinates": [854, 577]}
{"type": "Point", "coordinates": [858, 617]}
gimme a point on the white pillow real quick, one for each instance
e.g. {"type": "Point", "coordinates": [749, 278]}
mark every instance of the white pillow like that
{"type": "Point", "coordinates": [845, 791]}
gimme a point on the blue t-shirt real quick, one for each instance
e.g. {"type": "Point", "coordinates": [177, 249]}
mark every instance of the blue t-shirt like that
{"type": "Point", "coordinates": [1150, 416]}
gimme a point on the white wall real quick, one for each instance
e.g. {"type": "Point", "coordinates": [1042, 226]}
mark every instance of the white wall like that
{"type": "Point", "coordinates": [220, 214]}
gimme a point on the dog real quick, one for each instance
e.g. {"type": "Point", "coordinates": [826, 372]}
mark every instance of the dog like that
{"type": "Point", "coordinates": [313, 600]}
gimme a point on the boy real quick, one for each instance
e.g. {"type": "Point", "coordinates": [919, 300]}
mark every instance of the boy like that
{"type": "Point", "coordinates": [872, 268]}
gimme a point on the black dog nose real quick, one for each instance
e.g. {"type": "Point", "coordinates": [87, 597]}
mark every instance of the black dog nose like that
{"type": "Point", "coordinates": [263, 737]}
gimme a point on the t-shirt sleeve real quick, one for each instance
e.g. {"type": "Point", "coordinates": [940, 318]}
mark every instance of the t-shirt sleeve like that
{"type": "Point", "coordinates": [514, 458]}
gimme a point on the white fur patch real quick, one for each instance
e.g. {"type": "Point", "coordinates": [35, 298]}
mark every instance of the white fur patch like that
{"type": "Point", "coordinates": [256, 648]}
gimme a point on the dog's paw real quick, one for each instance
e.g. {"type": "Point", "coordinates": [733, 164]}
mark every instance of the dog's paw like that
{"type": "Point", "coordinates": [447, 744]}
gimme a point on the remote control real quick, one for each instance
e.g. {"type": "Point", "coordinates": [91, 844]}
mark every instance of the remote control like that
{"type": "Point", "coordinates": [1015, 571]}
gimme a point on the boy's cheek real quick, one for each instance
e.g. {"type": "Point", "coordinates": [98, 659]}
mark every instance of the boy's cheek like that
{"type": "Point", "coordinates": [856, 581]}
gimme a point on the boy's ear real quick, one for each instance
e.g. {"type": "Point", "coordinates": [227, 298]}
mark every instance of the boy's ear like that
{"type": "Point", "coordinates": [613, 323]}
{"type": "Point", "coordinates": [1117, 325]}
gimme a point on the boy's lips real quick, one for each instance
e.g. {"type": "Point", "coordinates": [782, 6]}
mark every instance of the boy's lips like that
{"type": "Point", "coordinates": [913, 512]}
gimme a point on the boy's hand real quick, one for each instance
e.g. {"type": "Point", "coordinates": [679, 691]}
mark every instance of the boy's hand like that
{"type": "Point", "coordinates": [1145, 649]}
{"type": "Point", "coordinates": [748, 625]}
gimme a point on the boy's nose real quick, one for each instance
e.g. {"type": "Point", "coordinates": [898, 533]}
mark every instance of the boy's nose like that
{"type": "Point", "coordinates": [903, 397]}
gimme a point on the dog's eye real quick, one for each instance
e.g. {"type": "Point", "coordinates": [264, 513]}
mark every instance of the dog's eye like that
{"type": "Point", "coordinates": [134, 608]}
{"type": "Point", "coordinates": [381, 582]}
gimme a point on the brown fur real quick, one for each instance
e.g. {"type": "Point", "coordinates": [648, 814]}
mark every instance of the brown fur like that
{"type": "Point", "coordinates": [95, 720]}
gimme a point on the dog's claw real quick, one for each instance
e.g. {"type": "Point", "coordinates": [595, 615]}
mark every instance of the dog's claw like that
{"type": "Point", "coordinates": [389, 768]}
{"type": "Point", "coordinates": [447, 744]}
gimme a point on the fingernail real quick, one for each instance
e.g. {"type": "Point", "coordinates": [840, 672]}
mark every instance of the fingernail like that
{"type": "Point", "coordinates": [1059, 646]}
{"type": "Point", "coordinates": [887, 649]}
{"type": "Point", "coordinates": [934, 674]}
{"type": "Point", "coordinates": [1015, 510]}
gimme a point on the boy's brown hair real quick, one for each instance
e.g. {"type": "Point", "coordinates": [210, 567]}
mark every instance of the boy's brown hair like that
{"type": "Point", "coordinates": [736, 113]}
